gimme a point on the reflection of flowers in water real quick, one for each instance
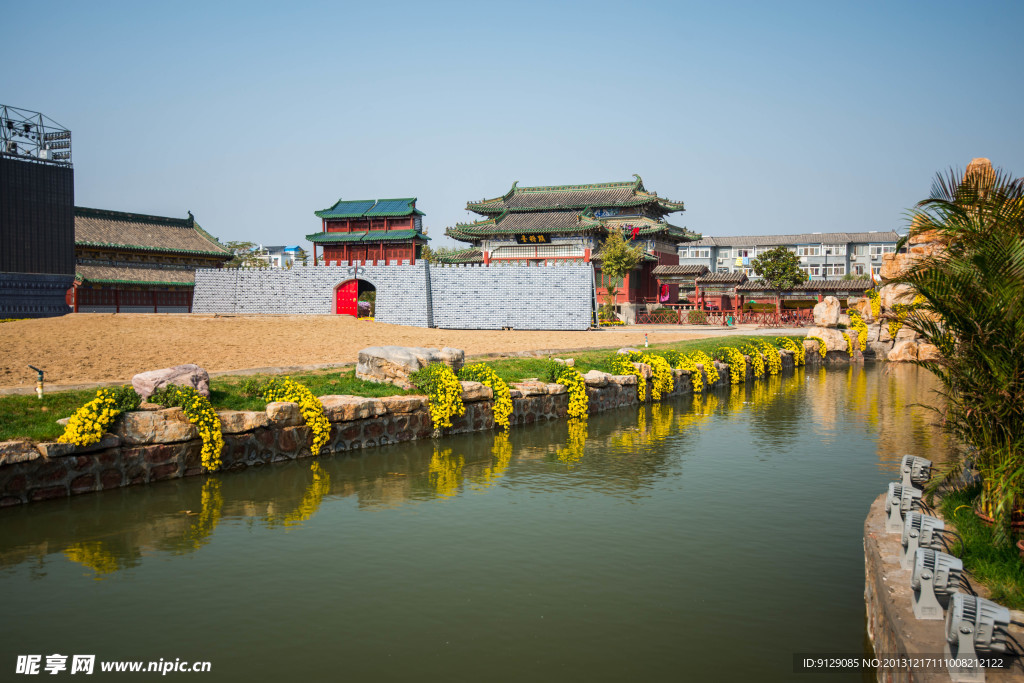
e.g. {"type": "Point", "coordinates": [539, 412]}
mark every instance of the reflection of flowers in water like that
{"type": "Point", "coordinates": [311, 499]}
{"type": "Point", "coordinates": [572, 453]}
{"type": "Point", "coordinates": [95, 556]}
{"type": "Point", "coordinates": [445, 471]}
{"type": "Point", "coordinates": [198, 534]}
{"type": "Point", "coordinates": [501, 451]}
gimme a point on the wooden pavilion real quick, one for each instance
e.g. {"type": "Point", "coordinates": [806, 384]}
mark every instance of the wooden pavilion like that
{"type": "Point", "coordinates": [137, 263]}
{"type": "Point", "coordinates": [568, 224]}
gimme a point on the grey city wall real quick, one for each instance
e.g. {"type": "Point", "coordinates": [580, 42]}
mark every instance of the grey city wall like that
{"type": "Point", "coordinates": [479, 297]}
{"type": "Point", "coordinates": [467, 297]}
{"type": "Point", "coordinates": [403, 295]}
{"type": "Point", "coordinates": [33, 295]}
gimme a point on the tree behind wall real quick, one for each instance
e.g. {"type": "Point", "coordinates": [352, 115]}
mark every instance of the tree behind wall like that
{"type": "Point", "coordinates": [780, 269]}
{"type": "Point", "coordinates": [617, 260]}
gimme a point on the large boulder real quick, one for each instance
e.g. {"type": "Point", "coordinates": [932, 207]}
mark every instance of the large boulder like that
{"type": "Point", "coordinates": [475, 391]}
{"type": "Point", "coordinates": [826, 312]}
{"type": "Point", "coordinates": [189, 375]}
{"type": "Point", "coordinates": [394, 364]}
{"type": "Point", "coordinates": [879, 350]}
{"type": "Point", "coordinates": [155, 426]}
{"type": "Point", "coordinates": [861, 306]}
{"type": "Point", "coordinates": [896, 294]}
{"type": "Point", "coordinates": [238, 421]}
{"type": "Point", "coordinates": [903, 351]}
{"type": "Point", "coordinates": [834, 340]}
{"type": "Point", "coordinates": [926, 351]}
{"type": "Point", "coordinates": [343, 408]}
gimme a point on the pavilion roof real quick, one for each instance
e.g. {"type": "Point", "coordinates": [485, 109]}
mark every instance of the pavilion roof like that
{"type": "Point", "coordinates": [567, 197]}
{"type": "Point", "coordinates": [370, 236]}
{"type": "Point", "coordinates": [840, 285]}
{"type": "Point", "coordinates": [722, 279]}
{"type": "Point", "coordinates": [472, 255]}
{"type": "Point", "coordinates": [560, 222]}
{"type": "Point", "coordinates": [371, 208]}
{"type": "Point", "coordinates": [134, 275]}
{"type": "Point", "coordinates": [680, 271]}
{"type": "Point", "coordinates": [140, 232]}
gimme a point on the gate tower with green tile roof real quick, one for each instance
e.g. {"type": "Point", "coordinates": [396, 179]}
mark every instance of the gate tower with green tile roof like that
{"type": "Point", "coordinates": [370, 231]}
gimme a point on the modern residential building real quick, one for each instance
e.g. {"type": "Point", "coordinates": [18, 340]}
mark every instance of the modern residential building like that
{"type": "Point", "coordinates": [279, 256]}
{"type": "Point", "coordinates": [823, 255]}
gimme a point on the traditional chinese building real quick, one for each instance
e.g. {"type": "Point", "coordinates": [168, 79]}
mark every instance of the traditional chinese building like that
{"type": "Point", "coordinates": [370, 231]}
{"type": "Point", "coordinates": [135, 263]}
{"type": "Point", "coordinates": [569, 223]}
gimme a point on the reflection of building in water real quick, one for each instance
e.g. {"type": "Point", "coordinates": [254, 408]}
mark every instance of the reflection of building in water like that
{"type": "Point", "coordinates": [895, 391]}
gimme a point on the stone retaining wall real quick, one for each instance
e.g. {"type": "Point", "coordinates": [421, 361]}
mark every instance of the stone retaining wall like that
{"type": "Point", "coordinates": [149, 446]}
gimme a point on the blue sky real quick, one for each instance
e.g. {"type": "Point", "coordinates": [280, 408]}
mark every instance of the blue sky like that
{"type": "Point", "coordinates": [763, 118]}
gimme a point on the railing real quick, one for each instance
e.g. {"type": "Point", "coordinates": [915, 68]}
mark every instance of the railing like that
{"type": "Point", "coordinates": [681, 316]}
{"type": "Point", "coordinates": [659, 317]}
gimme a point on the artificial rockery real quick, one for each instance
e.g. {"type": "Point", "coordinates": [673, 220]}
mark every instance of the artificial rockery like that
{"type": "Point", "coordinates": [872, 326]}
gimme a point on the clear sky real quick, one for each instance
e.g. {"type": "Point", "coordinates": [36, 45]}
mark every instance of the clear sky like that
{"type": "Point", "coordinates": [763, 117]}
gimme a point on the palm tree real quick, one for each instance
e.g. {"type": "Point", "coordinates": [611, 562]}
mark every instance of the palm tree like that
{"type": "Point", "coordinates": [973, 312]}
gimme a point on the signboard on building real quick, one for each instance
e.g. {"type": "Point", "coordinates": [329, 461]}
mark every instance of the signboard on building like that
{"type": "Point", "coordinates": [533, 239]}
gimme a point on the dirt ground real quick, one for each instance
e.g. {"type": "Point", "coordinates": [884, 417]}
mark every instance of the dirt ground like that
{"type": "Point", "coordinates": [84, 348]}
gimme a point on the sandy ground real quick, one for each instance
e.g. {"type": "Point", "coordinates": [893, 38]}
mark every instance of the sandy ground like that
{"type": "Point", "coordinates": [85, 348]}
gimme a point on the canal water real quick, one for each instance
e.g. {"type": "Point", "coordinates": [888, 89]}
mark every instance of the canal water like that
{"type": "Point", "coordinates": [707, 538]}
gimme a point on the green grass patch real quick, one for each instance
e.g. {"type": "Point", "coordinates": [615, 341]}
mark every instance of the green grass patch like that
{"type": "Point", "coordinates": [25, 416]}
{"type": "Point", "coordinates": [518, 369]}
{"type": "Point", "coordinates": [996, 566]}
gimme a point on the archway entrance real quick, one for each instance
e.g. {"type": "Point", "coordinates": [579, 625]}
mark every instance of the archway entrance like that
{"type": "Point", "coordinates": [350, 293]}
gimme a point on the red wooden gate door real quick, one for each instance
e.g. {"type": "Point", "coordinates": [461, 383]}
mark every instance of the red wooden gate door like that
{"type": "Point", "coordinates": [345, 298]}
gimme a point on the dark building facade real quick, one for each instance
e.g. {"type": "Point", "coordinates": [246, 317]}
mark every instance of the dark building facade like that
{"type": "Point", "coordinates": [37, 229]}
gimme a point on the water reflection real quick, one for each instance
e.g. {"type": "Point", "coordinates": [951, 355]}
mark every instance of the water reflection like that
{"type": "Point", "coordinates": [616, 454]}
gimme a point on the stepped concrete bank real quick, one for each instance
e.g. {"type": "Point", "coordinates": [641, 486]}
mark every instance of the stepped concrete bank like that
{"type": "Point", "coordinates": [892, 627]}
{"type": "Point", "coordinates": [149, 446]}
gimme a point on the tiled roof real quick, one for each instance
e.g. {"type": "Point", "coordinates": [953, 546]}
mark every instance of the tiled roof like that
{"type": "Point", "coordinates": [721, 278]}
{"type": "Point", "coordinates": [119, 230]}
{"type": "Point", "coordinates": [681, 270]}
{"type": "Point", "coordinates": [377, 208]}
{"type": "Point", "coordinates": [464, 256]}
{"type": "Point", "coordinates": [372, 236]}
{"type": "Point", "coordinates": [509, 223]}
{"type": "Point", "coordinates": [555, 197]}
{"type": "Point", "coordinates": [802, 238]}
{"type": "Point", "coordinates": [599, 256]}
{"type": "Point", "coordinates": [134, 275]}
{"type": "Point", "coordinates": [856, 285]}
{"type": "Point", "coordinates": [564, 222]}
